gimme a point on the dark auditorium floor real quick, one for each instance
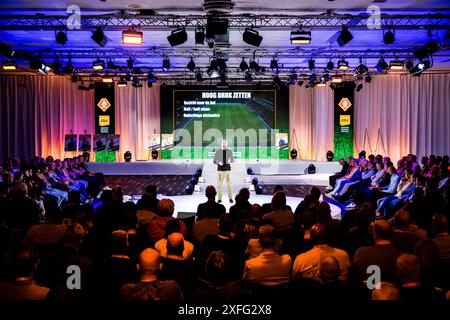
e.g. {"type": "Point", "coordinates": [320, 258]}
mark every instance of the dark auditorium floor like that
{"type": "Point", "coordinates": [174, 185]}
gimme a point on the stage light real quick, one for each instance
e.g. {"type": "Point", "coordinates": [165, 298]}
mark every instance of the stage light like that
{"type": "Point", "coordinates": [61, 38]}
{"type": "Point", "coordinates": [99, 37]}
{"type": "Point", "coordinates": [330, 65]}
{"type": "Point", "coordinates": [122, 82]}
{"type": "Point", "coordinates": [300, 37]}
{"type": "Point", "coordinates": [396, 65]}
{"type": "Point", "coordinates": [250, 171]}
{"type": "Point", "coordinates": [222, 64]}
{"type": "Point", "coordinates": [177, 37]}
{"type": "Point", "coordinates": [248, 76]}
{"type": "Point", "coordinates": [278, 83]}
{"type": "Point", "coordinates": [255, 66]}
{"type": "Point", "coordinates": [342, 64]}
{"type": "Point", "coordinates": [91, 86]}
{"type": "Point", "coordinates": [345, 36]}
{"type": "Point", "coordinates": [198, 76]}
{"type": "Point", "coordinates": [311, 169]}
{"type": "Point", "coordinates": [151, 79]}
{"type": "Point", "coordinates": [359, 87]}
{"type": "Point", "coordinates": [274, 64]}
{"type": "Point", "coordinates": [136, 82]}
{"type": "Point", "coordinates": [252, 37]}
{"type": "Point", "coordinates": [311, 64]}
{"type": "Point", "coordinates": [243, 66]}
{"type": "Point", "coordinates": [6, 51]}
{"type": "Point", "coordinates": [199, 171]}
{"type": "Point", "coordinates": [107, 80]}
{"type": "Point", "coordinates": [336, 79]}
{"type": "Point", "coordinates": [200, 35]}
{"type": "Point", "coordinates": [132, 37]}
{"type": "Point", "coordinates": [127, 156]}
{"type": "Point", "coordinates": [194, 180]}
{"type": "Point", "coordinates": [292, 78]}
{"type": "Point", "coordinates": [426, 50]}
{"type": "Point", "coordinates": [294, 154]}
{"type": "Point", "coordinates": [388, 37]}
{"type": "Point", "coordinates": [368, 78]}
{"type": "Point", "coordinates": [130, 64]}
{"type": "Point", "coordinates": [213, 69]}
{"type": "Point", "coordinates": [74, 77]}
{"type": "Point", "coordinates": [362, 68]}
{"type": "Point", "coordinates": [9, 65]}
{"type": "Point", "coordinates": [381, 65]}
{"type": "Point", "coordinates": [191, 65]}
{"type": "Point", "coordinates": [189, 189]}
{"type": "Point", "coordinates": [330, 156]}
{"type": "Point", "coordinates": [40, 66]}
{"type": "Point", "coordinates": [300, 83]}
{"type": "Point", "coordinates": [155, 154]}
{"type": "Point", "coordinates": [259, 189]}
{"type": "Point", "coordinates": [321, 84]}
{"type": "Point", "coordinates": [255, 181]}
{"type": "Point", "coordinates": [98, 64]}
{"type": "Point", "coordinates": [166, 64]}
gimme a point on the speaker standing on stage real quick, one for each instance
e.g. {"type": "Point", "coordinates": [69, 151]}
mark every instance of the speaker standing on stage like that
{"type": "Point", "coordinates": [223, 158]}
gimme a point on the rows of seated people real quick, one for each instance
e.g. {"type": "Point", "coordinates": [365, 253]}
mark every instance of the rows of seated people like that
{"type": "Point", "coordinates": [139, 251]}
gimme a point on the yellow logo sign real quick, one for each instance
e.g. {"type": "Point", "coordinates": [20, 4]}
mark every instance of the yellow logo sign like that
{"type": "Point", "coordinates": [345, 104]}
{"type": "Point", "coordinates": [104, 104]}
{"type": "Point", "coordinates": [344, 120]}
{"type": "Point", "coordinates": [103, 121]}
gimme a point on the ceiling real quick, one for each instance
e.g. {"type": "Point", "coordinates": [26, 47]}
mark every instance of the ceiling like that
{"type": "Point", "coordinates": [274, 41]}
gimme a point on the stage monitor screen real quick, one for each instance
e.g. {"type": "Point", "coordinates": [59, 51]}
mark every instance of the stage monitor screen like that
{"type": "Point", "coordinates": [250, 118]}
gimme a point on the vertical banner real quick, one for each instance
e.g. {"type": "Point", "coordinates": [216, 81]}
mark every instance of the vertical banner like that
{"type": "Point", "coordinates": [104, 105]}
{"type": "Point", "coordinates": [343, 121]}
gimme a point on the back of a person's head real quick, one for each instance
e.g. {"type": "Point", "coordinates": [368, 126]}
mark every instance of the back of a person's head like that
{"type": "Point", "coordinates": [25, 260]}
{"type": "Point", "coordinates": [147, 202]}
{"type": "Point", "coordinates": [256, 211]}
{"type": "Point", "coordinates": [439, 223]}
{"type": "Point", "coordinates": [277, 188]}
{"type": "Point", "coordinates": [218, 266]}
{"type": "Point", "coordinates": [267, 236]}
{"type": "Point", "coordinates": [166, 207]}
{"type": "Point", "coordinates": [175, 244]}
{"type": "Point", "coordinates": [172, 226]}
{"type": "Point", "coordinates": [386, 291]}
{"type": "Point", "coordinates": [329, 269]}
{"type": "Point", "coordinates": [427, 252]}
{"type": "Point", "coordinates": [21, 190]}
{"type": "Point", "coordinates": [151, 189]}
{"type": "Point", "coordinates": [307, 219]}
{"type": "Point", "coordinates": [279, 201]}
{"type": "Point", "coordinates": [117, 193]}
{"type": "Point", "coordinates": [119, 242]}
{"type": "Point", "coordinates": [149, 262]}
{"type": "Point", "coordinates": [244, 194]}
{"type": "Point", "coordinates": [318, 234]}
{"type": "Point", "coordinates": [402, 219]}
{"type": "Point", "coordinates": [408, 268]}
{"type": "Point", "coordinates": [315, 192]}
{"type": "Point", "coordinates": [52, 210]}
{"type": "Point", "coordinates": [210, 192]}
{"type": "Point", "coordinates": [225, 224]}
{"type": "Point", "coordinates": [106, 197]}
{"type": "Point", "coordinates": [324, 213]}
{"type": "Point", "coordinates": [363, 216]}
{"type": "Point", "coordinates": [382, 230]}
{"type": "Point", "coordinates": [74, 235]}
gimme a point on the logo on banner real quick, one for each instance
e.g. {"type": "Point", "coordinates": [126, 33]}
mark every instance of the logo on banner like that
{"type": "Point", "coordinates": [344, 120]}
{"type": "Point", "coordinates": [104, 104]}
{"type": "Point", "coordinates": [103, 121]}
{"type": "Point", "coordinates": [345, 104]}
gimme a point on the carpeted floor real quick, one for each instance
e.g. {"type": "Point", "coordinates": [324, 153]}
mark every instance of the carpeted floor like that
{"type": "Point", "coordinates": [174, 185]}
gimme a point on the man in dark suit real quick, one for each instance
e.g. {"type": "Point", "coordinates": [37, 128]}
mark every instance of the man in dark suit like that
{"type": "Point", "coordinates": [337, 175]}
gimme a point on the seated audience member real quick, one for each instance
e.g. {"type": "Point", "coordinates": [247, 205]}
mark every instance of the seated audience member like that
{"type": "Point", "coordinates": [402, 237]}
{"type": "Point", "coordinates": [389, 190]}
{"type": "Point", "coordinates": [254, 246]}
{"type": "Point", "coordinates": [146, 210]}
{"type": "Point", "coordinates": [411, 288]}
{"type": "Point", "coordinates": [217, 285]}
{"type": "Point", "coordinates": [224, 241]}
{"type": "Point", "coordinates": [50, 187]}
{"type": "Point", "coordinates": [246, 229]}
{"type": "Point", "coordinates": [306, 265]}
{"type": "Point", "coordinates": [268, 268]}
{"type": "Point", "coordinates": [23, 211]}
{"type": "Point", "coordinates": [23, 286]}
{"type": "Point", "coordinates": [210, 205]}
{"type": "Point", "coordinates": [267, 207]}
{"type": "Point", "coordinates": [311, 201]}
{"type": "Point", "coordinates": [282, 217]}
{"type": "Point", "coordinates": [358, 235]}
{"type": "Point", "coordinates": [149, 200]}
{"type": "Point", "coordinates": [427, 253]}
{"type": "Point", "coordinates": [156, 228]}
{"type": "Point", "coordinates": [150, 288]}
{"type": "Point", "coordinates": [208, 225]}
{"type": "Point", "coordinates": [353, 175]}
{"type": "Point", "coordinates": [241, 210]}
{"type": "Point", "coordinates": [386, 292]}
{"type": "Point", "coordinates": [173, 226]}
{"type": "Point", "coordinates": [340, 174]}
{"type": "Point", "coordinates": [441, 237]}
{"type": "Point", "coordinates": [382, 254]}
{"type": "Point", "coordinates": [404, 191]}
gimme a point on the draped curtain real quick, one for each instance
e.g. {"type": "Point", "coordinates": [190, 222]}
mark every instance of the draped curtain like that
{"type": "Point", "coordinates": [412, 115]}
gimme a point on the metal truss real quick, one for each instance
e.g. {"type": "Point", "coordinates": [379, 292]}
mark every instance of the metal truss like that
{"type": "Point", "coordinates": [326, 20]}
